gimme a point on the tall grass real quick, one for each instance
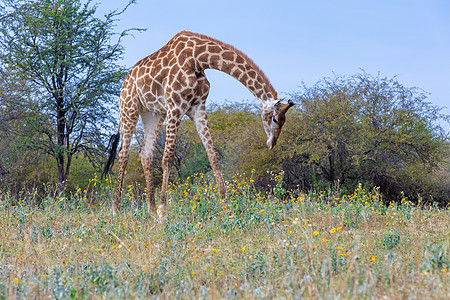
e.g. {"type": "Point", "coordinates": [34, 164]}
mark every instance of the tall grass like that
{"type": "Point", "coordinates": [279, 244]}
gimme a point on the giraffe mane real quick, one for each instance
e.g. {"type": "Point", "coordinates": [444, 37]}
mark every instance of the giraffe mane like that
{"type": "Point", "coordinates": [237, 51]}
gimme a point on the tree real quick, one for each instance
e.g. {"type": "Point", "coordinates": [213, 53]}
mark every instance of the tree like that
{"type": "Point", "coordinates": [366, 128]}
{"type": "Point", "coordinates": [71, 57]}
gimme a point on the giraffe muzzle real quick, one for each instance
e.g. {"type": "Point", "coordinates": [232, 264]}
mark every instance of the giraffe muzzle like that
{"type": "Point", "coordinates": [271, 143]}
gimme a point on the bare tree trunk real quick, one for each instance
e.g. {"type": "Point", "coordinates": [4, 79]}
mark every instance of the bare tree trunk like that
{"type": "Point", "coordinates": [61, 184]}
{"type": "Point", "coordinates": [61, 127]}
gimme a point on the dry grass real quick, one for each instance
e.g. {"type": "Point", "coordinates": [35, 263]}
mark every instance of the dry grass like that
{"type": "Point", "coordinates": [275, 245]}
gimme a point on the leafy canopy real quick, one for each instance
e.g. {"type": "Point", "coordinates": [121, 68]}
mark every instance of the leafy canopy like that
{"type": "Point", "coordinates": [71, 56]}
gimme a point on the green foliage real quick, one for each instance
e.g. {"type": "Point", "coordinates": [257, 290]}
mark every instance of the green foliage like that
{"type": "Point", "coordinates": [70, 58]}
{"type": "Point", "coordinates": [392, 239]}
{"type": "Point", "coordinates": [196, 162]}
{"type": "Point", "coordinates": [82, 169]}
{"type": "Point", "coordinates": [370, 129]}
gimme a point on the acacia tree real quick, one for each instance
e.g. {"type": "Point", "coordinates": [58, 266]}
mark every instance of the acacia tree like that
{"type": "Point", "coordinates": [368, 128]}
{"type": "Point", "coordinates": [70, 56]}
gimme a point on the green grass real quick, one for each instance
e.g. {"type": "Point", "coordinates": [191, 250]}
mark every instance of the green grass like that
{"type": "Point", "coordinates": [275, 245]}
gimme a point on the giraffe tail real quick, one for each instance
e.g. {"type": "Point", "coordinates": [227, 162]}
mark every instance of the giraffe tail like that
{"type": "Point", "coordinates": [113, 143]}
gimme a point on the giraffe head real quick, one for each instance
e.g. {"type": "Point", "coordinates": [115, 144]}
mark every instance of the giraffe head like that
{"type": "Point", "coordinates": [273, 118]}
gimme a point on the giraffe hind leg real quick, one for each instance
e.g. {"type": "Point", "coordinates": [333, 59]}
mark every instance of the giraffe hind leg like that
{"type": "Point", "coordinates": [152, 125]}
{"type": "Point", "coordinates": [127, 133]}
{"type": "Point", "coordinates": [171, 132]}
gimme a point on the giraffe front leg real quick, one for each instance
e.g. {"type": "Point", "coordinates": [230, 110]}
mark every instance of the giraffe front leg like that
{"type": "Point", "coordinates": [173, 122]}
{"type": "Point", "coordinates": [200, 120]}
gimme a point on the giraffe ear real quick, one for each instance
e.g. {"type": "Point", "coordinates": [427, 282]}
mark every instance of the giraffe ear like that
{"type": "Point", "coordinates": [277, 103]}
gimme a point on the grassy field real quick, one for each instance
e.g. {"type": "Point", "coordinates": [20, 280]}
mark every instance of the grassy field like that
{"type": "Point", "coordinates": [275, 245]}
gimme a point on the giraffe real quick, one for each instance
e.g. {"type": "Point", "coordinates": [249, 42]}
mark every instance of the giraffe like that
{"type": "Point", "coordinates": [171, 83]}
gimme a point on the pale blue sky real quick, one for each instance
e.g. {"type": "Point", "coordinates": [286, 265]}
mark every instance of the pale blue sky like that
{"type": "Point", "coordinates": [295, 41]}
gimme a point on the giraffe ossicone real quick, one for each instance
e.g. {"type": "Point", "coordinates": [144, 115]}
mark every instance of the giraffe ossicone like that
{"type": "Point", "coordinates": [171, 83]}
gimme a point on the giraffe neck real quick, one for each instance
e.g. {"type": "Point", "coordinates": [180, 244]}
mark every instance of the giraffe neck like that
{"type": "Point", "coordinates": [213, 54]}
